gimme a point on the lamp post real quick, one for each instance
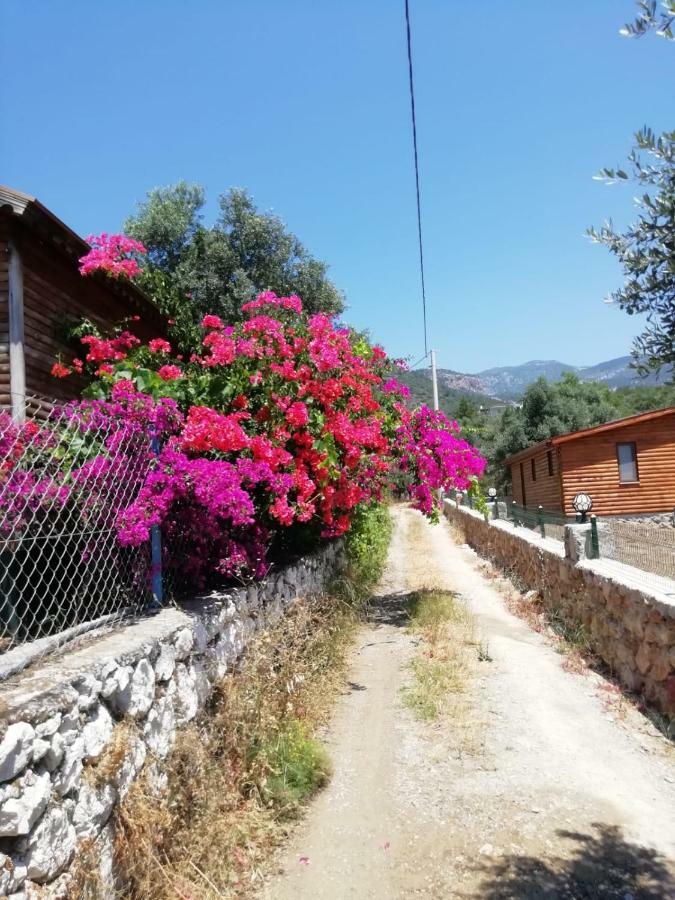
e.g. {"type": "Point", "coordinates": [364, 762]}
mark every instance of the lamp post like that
{"type": "Point", "coordinates": [582, 503]}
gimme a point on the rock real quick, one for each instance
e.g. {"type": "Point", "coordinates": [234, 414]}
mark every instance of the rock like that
{"type": "Point", "coordinates": [201, 637]}
{"type": "Point", "coordinates": [660, 669]}
{"type": "Point", "coordinates": [54, 755]}
{"type": "Point", "coordinates": [166, 662]}
{"type": "Point", "coordinates": [131, 765]}
{"type": "Point", "coordinates": [159, 730]}
{"type": "Point", "coordinates": [643, 658]}
{"type": "Point", "coordinates": [67, 777]}
{"type": "Point", "coordinates": [12, 875]}
{"type": "Point", "coordinates": [105, 850]}
{"type": "Point", "coordinates": [40, 748]}
{"type": "Point", "coordinates": [116, 681]}
{"type": "Point", "coordinates": [97, 732]}
{"type": "Point", "coordinates": [88, 689]}
{"type": "Point", "coordinates": [93, 809]}
{"type": "Point", "coordinates": [49, 727]}
{"type": "Point", "coordinates": [50, 845]}
{"type": "Point", "coordinates": [16, 750]}
{"type": "Point", "coordinates": [18, 815]}
{"type": "Point", "coordinates": [135, 699]}
{"type": "Point", "coordinates": [183, 643]}
{"type": "Point", "coordinates": [186, 696]}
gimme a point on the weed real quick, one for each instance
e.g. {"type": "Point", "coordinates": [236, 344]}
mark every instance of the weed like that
{"type": "Point", "coordinates": [483, 651]}
{"type": "Point", "coordinates": [664, 723]}
{"type": "Point", "coordinates": [298, 766]}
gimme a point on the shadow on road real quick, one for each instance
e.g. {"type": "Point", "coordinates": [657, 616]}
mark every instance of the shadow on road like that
{"type": "Point", "coordinates": [391, 609]}
{"type": "Point", "coordinates": [601, 865]}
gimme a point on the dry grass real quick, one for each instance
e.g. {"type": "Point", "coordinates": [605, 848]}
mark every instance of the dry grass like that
{"type": "Point", "coordinates": [457, 533]}
{"type": "Point", "coordinates": [239, 774]}
{"type": "Point", "coordinates": [103, 769]}
{"type": "Point", "coordinates": [442, 667]}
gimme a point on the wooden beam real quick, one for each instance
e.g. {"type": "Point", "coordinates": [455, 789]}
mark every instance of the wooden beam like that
{"type": "Point", "coordinates": [17, 362]}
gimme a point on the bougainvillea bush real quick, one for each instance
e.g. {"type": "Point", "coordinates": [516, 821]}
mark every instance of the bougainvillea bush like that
{"type": "Point", "coordinates": [284, 426]}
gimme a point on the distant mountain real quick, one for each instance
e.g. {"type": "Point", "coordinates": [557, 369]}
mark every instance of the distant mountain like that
{"type": "Point", "coordinates": [510, 382]}
{"type": "Point", "coordinates": [419, 383]}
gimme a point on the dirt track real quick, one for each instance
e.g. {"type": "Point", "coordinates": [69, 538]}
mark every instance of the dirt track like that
{"type": "Point", "coordinates": [541, 790]}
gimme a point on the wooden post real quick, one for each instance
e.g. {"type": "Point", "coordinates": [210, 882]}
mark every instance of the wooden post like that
{"type": "Point", "coordinates": [17, 362]}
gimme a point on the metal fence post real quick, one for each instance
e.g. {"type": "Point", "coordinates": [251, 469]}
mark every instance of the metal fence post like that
{"type": "Point", "coordinates": [540, 520]}
{"type": "Point", "coordinates": [513, 511]}
{"type": "Point", "coordinates": [156, 550]}
{"type": "Point", "coordinates": [595, 542]}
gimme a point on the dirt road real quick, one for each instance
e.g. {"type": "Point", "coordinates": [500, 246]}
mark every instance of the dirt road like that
{"type": "Point", "coordinates": [541, 790]}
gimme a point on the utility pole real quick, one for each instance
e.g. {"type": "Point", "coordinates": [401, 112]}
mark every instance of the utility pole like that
{"type": "Point", "coordinates": [434, 380]}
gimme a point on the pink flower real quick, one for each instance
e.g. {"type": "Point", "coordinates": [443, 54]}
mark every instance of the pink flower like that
{"type": "Point", "coordinates": [60, 371]}
{"type": "Point", "coordinates": [212, 322]}
{"type": "Point", "coordinates": [159, 345]}
{"type": "Point", "coordinates": [170, 373]}
{"type": "Point", "coordinates": [113, 254]}
{"type": "Point", "coordinates": [297, 415]}
{"type": "Point", "coordinates": [121, 388]}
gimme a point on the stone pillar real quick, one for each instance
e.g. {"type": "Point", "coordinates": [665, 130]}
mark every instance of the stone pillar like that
{"type": "Point", "coordinates": [578, 542]}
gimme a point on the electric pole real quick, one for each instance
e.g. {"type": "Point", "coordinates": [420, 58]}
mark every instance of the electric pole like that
{"type": "Point", "coordinates": [434, 380]}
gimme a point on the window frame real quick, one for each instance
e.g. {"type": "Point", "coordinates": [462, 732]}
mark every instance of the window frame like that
{"type": "Point", "coordinates": [632, 444]}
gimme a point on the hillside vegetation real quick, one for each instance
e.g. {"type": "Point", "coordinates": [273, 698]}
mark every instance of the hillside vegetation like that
{"type": "Point", "coordinates": [549, 409]}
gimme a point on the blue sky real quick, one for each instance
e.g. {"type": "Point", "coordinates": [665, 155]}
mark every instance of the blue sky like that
{"type": "Point", "coordinates": [305, 104]}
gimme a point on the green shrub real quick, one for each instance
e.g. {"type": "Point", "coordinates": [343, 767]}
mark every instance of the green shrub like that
{"type": "Point", "coordinates": [366, 546]}
{"type": "Point", "coordinates": [297, 764]}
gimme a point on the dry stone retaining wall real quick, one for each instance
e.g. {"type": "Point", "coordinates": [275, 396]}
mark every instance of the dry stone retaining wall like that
{"type": "Point", "coordinates": [631, 621]}
{"type": "Point", "coordinates": [139, 683]}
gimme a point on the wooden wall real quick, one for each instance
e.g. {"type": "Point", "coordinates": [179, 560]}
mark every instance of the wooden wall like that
{"type": "Point", "coordinates": [54, 291]}
{"type": "Point", "coordinates": [545, 489]}
{"type": "Point", "coordinates": [4, 312]}
{"type": "Point", "coordinates": [590, 464]}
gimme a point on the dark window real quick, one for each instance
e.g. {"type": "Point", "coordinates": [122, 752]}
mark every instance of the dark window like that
{"type": "Point", "coordinates": [627, 457]}
{"type": "Point", "coordinates": [549, 457]}
{"type": "Point", "coordinates": [522, 485]}
{"type": "Point", "coordinates": [534, 469]}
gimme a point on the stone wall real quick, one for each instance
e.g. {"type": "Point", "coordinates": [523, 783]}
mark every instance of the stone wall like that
{"type": "Point", "coordinates": [140, 683]}
{"type": "Point", "coordinates": [630, 617]}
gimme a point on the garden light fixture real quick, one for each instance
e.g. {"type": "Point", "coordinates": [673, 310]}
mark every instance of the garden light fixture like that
{"type": "Point", "coordinates": [582, 503]}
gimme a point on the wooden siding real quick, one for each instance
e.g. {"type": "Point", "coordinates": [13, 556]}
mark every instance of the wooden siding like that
{"type": "Point", "coordinates": [55, 292]}
{"type": "Point", "coordinates": [545, 490]}
{"type": "Point", "coordinates": [4, 311]}
{"type": "Point", "coordinates": [590, 464]}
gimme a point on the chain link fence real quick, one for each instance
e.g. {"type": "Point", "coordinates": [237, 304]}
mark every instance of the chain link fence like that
{"type": "Point", "coordinates": [66, 473]}
{"type": "Point", "coordinates": [649, 546]}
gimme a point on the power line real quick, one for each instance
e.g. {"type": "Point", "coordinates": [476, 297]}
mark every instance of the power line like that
{"type": "Point", "coordinates": [416, 364]}
{"type": "Point", "coordinates": [417, 174]}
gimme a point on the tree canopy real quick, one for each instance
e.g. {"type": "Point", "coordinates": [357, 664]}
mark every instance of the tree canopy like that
{"type": "Point", "coordinates": [193, 269]}
{"type": "Point", "coordinates": [548, 409]}
{"type": "Point", "coordinates": [650, 19]}
{"type": "Point", "coordinates": [646, 249]}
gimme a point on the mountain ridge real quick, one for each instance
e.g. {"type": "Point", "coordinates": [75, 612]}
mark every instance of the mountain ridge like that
{"type": "Point", "coordinates": [509, 383]}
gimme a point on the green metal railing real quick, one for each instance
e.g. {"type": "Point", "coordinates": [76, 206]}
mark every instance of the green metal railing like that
{"type": "Point", "coordinates": [642, 543]}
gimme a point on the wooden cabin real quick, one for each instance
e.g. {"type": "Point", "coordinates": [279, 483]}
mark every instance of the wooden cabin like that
{"type": "Point", "coordinates": [42, 292]}
{"type": "Point", "coordinates": [627, 467]}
